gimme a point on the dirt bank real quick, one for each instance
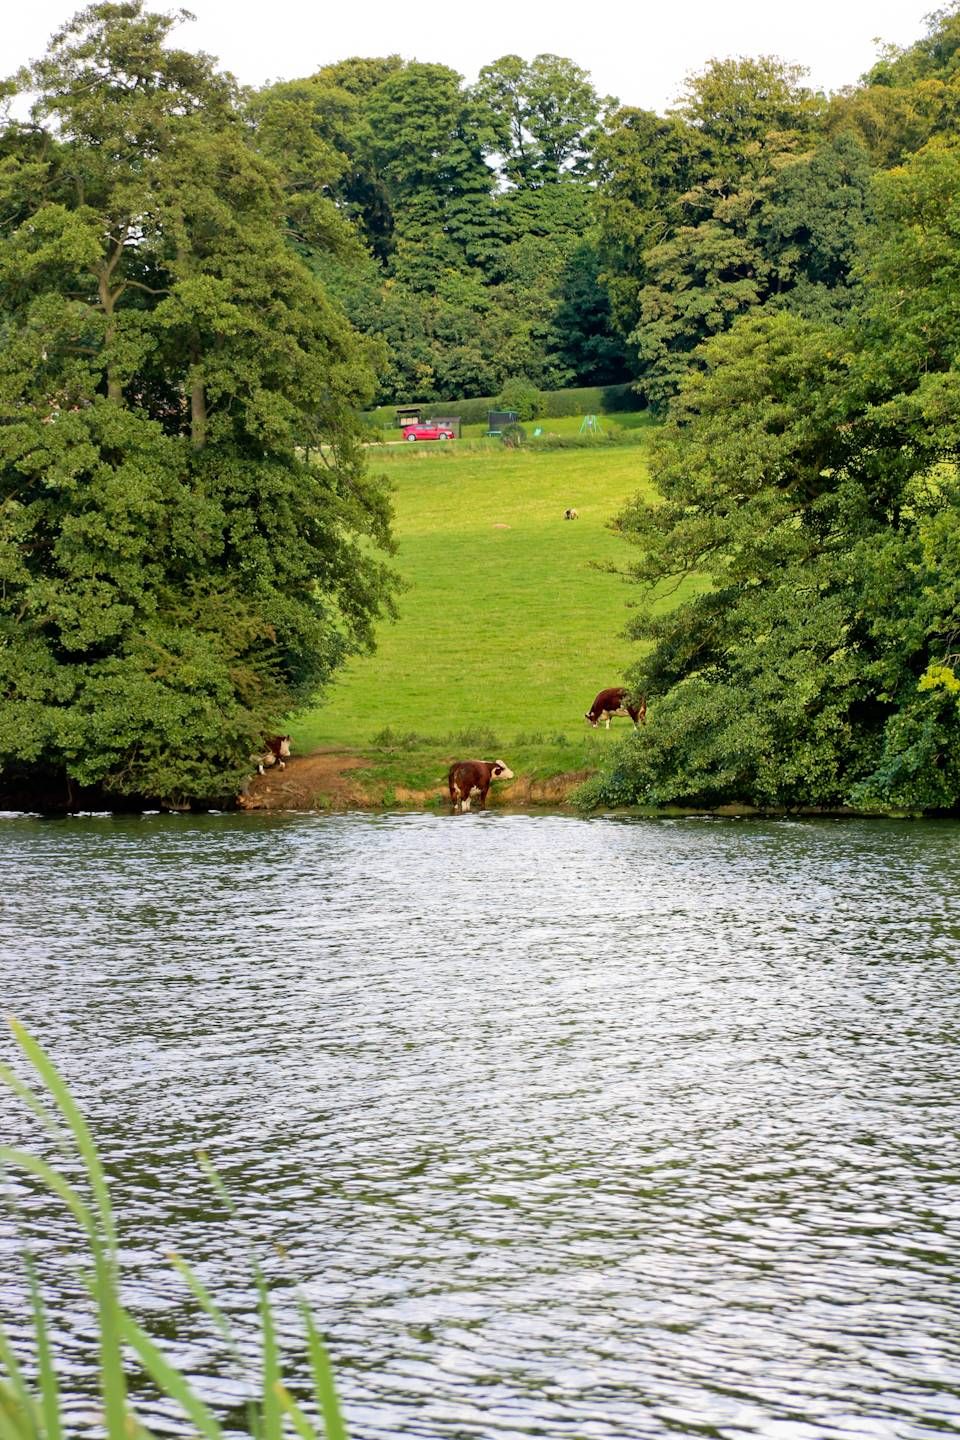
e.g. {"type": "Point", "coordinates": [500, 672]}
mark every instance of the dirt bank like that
{"type": "Point", "coordinates": [340, 780]}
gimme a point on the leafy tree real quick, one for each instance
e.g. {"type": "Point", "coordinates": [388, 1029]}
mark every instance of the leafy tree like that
{"type": "Point", "coordinates": [426, 143]}
{"type": "Point", "coordinates": [813, 227]}
{"type": "Point", "coordinates": [521, 396]}
{"type": "Point", "coordinates": [645, 165]}
{"type": "Point", "coordinates": [543, 117]}
{"type": "Point", "coordinates": [584, 342]}
{"type": "Point", "coordinates": [176, 575]}
{"type": "Point", "coordinates": [815, 659]}
{"type": "Point", "coordinates": [736, 202]}
{"type": "Point", "coordinates": [909, 97]}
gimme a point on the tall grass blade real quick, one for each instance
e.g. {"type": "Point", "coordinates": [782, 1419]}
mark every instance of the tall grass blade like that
{"type": "Point", "coordinates": [32, 1100]}
{"type": "Point", "coordinates": [49, 1386]}
{"type": "Point", "coordinates": [113, 1386]}
{"type": "Point", "coordinates": [168, 1379]}
{"type": "Point", "coordinates": [55, 1183]}
{"type": "Point", "coordinates": [14, 1425]}
{"type": "Point", "coordinates": [25, 1417]}
{"type": "Point", "coordinates": [17, 1406]}
{"type": "Point", "coordinates": [67, 1106]}
{"type": "Point", "coordinates": [210, 1170]}
{"type": "Point", "coordinates": [295, 1415]}
{"type": "Point", "coordinates": [272, 1378]}
{"type": "Point", "coordinates": [323, 1383]}
{"type": "Point", "coordinates": [203, 1297]}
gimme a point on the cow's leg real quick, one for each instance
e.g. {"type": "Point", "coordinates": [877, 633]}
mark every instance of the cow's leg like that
{"type": "Point", "coordinates": [465, 803]}
{"type": "Point", "coordinates": [607, 718]}
{"type": "Point", "coordinates": [483, 799]}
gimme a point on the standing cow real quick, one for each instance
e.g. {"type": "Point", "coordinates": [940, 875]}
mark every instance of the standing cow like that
{"type": "Point", "coordinates": [467, 778]}
{"type": "Point", "coordinates": [614, 702]}
{"type": "Point", "coordinates": [276, 753]}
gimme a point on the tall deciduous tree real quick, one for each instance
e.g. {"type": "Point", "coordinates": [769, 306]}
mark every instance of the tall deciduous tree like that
{"type": "Point", "coordinates": [808, 476]}
{"type": "Point", "coordinates": [175, 574]}
{"type": "Point", "coordinates": [543, 117]}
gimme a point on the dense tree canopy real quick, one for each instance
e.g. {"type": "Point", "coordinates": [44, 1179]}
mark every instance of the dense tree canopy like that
{"type": "Point", "coordinates": [176, 575]}
{"type": "Point", "coordinates": [816, 662]}
{"type": "Point", "coordinates": [201, 285]}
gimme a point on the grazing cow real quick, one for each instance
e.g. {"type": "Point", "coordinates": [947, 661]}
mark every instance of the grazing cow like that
{"type": "Point", "coordinates": [571, 514]}
{"type": "Point", "coordinates": [472, 777]}
{"type": "Point", "coordinates": [278, 748]}
{"type": "Point", "coordinates": [614, 702]}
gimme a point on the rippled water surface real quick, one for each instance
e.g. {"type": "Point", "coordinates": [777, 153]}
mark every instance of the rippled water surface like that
{"type": "Point", "coordinates": [570, 1128]}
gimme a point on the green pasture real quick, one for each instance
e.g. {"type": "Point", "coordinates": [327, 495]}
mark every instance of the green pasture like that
{"type": "Point", "coordinates": [507, 630]}
{"type": "Point", "coordinates": [565, 426]}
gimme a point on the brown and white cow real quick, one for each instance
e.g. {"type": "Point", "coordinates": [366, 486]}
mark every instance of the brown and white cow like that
{"type": "Point", "coordinates": [614, 702]}
{"type": "Point", "coordinates": [276, 753]}
{"type": "Point", "coordinates": [467, 778]}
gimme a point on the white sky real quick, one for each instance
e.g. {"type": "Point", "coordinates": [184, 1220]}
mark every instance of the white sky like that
{"type": "Point", "coordinates": [637, 50]}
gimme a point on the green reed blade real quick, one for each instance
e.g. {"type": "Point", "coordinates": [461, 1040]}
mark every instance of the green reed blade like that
{"type": "Point", "coordinates": [49, 1386]}
{"type": "Point", "coordinates": [295, 1415]}
{"type": "Point", "coordinates": [213, 1176]}
{"type": "Point", "coordinates": [14, 1424]}
{"type": "Point", "coordinates": [55, 1183]}
{"type": "Point", "coordinates": [17, 1406]}
{"type": "Point", "coordinates": [206, 1300]}
{"type": "Point", "coordinates": [167, 1378]}
{"type": "Point", "coordinates": [272, 1378]}
{"type": "Point", "coordinates": [323, 1383]}
{"type": "Point", "coordinates": [68, 1108]}
{"type": "Point", "coordinates": [113, 1388]}
{"type": "Point", "coordinates": [33, 1102]}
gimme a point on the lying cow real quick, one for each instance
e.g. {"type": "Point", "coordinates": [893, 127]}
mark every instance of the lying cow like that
{"type": "Point", "coordinates": [276, 753]}
{"type": "Point", "coordinates": [614, 702]}
{"type": "Point", "coordinates": [472, 777]}
{"type": "Point", "coordinates": [571, 514]}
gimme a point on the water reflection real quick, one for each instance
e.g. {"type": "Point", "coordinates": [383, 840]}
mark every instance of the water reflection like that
{"type": "Point", "coordinates": [572, 1128]}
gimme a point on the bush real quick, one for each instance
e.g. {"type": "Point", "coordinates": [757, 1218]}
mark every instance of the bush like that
{"type": "Point", "coordinates": [578, 400]}
{"type": "Point", "coordinates": [522, 396]}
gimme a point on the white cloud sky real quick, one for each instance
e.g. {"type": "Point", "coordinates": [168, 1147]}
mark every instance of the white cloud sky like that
{"type": "Point", "coordinates": [634, 49]}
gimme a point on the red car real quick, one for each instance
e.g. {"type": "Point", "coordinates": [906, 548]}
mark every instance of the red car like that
{"type": "Point", "coordinates": [427, 432]}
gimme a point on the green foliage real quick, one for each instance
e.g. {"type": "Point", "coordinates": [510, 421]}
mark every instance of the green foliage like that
{"type": "Point", "coordinates": [542, 117]}
{"type": "Point", "coordinates": [577, 400]}
{"type": "Point", "coordinates": [175, 573]}
{"type": "Point", "coordinates": [738, 201]}
{"type": "Point", "coordinates": [817, 665]}
{"type": "Point", "coordinates": [32, 1405]}
{"type": "Point", "coordinates": [519, 395]}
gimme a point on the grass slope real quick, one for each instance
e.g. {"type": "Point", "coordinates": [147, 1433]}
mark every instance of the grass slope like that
{"type": "Point", "coordinates": [506, 626]}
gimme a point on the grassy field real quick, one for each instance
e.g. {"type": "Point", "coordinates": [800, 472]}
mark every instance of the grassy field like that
{"type": "Point", "coordinates": [507, 631]}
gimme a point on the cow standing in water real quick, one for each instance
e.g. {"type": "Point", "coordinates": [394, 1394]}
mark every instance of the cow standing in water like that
{"type": "Point", "coordinates": [467, 778]}
{"type": "Point", "coordinates": [614, 702]}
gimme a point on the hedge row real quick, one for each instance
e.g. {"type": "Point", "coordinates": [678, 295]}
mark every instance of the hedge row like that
{"type": "Point", "coordinates": [584, 400]}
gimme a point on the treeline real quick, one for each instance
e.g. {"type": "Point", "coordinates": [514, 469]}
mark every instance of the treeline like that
{"type": "Point", "coordinates": [474, 258]}
{"type": "Point", "coordinates": [808, 467]}
{"type": "Point", "coordinates": [525, 226]}
{"type": "Point", "coordinates": [201, 286]}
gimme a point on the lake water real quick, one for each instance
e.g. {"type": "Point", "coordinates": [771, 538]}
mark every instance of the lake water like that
{"type": "Point", "coordinates": [569, 1128]}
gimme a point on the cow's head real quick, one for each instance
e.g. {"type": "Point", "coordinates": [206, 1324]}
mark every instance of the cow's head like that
{"type": "Point", "coordinates": [500, 771]}
{"type": "Point", "coordinates": [591, 718]}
